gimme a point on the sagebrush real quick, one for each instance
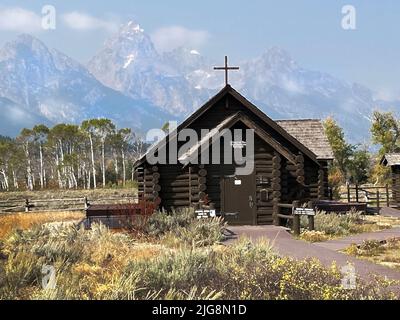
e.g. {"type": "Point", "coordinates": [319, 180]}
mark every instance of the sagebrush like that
{"type": "Point", "coordinates": [101, 264]}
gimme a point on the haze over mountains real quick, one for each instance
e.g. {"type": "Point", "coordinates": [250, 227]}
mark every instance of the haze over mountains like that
{"type": "Point", "coordinates": [136, 86]}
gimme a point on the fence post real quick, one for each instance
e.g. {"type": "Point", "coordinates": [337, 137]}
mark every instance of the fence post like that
{"type": "Point", "coordinates": [330, 193]}
{"type": "Point", "coordinates": [85, 200]}
{"type": "Point", "coordinates": [387, 195]}
{"type": "Point", "coordinates": [296, 219]}
{"type": "Point", "coordinates": [356, 192]}
{"type": "Point", "coordinates": [378, 204]}
{"type": "Point", "coordinates": [26, 205]}
{"type": "Point", "coordinates": [348, 193]}
{"type": "Point", "coordinates": [310, 217]}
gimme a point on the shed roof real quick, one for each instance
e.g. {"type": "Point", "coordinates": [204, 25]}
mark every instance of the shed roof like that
{"type": "Point", "coordinates": [391, 159]}
{"type": "Point", "coordinates": [311, 133]}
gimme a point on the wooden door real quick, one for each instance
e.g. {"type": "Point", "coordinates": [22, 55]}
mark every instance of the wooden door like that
{"type": "Point", "coordinates": [239, 197]}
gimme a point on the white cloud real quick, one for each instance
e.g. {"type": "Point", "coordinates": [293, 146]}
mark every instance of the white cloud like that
{"type": "Point", "coordinates": [168, 38]}
{"type": "Point", "coordinates": [82, 21]}
{"type": "Point", "coordinates": [19, 19]}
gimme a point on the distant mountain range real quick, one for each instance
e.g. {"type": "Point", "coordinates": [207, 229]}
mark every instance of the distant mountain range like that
{"type": "Point", "coordinates": [136, 86]}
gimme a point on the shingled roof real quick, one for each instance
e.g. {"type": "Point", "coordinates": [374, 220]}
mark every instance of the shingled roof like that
{"type": "Point", "coordinates": [311, 133]}
{"type": "Point", "coordinates": [391, 159]}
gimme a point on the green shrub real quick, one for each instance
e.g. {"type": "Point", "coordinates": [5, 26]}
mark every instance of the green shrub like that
{"type": "Point", "coordinates": [371, 247]}
{"type": "Point", "coordinates": [313, 236]}
{"type": "Point", "coordinates": [202, 232]}
{"type": "Point", "coordinates": [162, 222]}
{"type": "Point", "coordinates": [185, 227]}
{"type": "Point", "coordinates": [335, 224]}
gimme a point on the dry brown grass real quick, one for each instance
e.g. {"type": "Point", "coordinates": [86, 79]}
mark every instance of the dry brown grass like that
{"type": "Point", "coordinates": [10, 222]}
{"type": "Point", "coordinates": [384, 253]}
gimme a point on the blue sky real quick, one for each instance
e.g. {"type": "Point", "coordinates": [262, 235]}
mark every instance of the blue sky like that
{"type": "Point", "coordinates": [309, 30]}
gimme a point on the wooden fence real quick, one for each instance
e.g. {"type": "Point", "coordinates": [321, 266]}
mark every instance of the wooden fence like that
{"type": "Point", "coordinates": [284, 211]}
{"type": "Point", "coordinates": [63, 204]}
{"type": "Point", "coordinates": [374, 196]}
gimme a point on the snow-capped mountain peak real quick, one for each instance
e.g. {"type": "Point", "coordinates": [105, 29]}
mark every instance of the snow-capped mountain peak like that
{"type": "Point", "coordinates": [129, 81]}
{"type": "Point", "coordinates": [47, 85]}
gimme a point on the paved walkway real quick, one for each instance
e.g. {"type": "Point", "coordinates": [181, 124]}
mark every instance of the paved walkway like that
{"type": "Point", "coordinates": [389, 212]}
{"type": "Point", "coordinates": [286, 245]}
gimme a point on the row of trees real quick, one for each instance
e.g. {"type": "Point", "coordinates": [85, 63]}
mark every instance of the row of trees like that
{"type": "Point", "coordinates": [93, 154]}
{"type": "Point", "coordinates": [97, 153]}
{"type": "Point", "coordinates": [357, 163]}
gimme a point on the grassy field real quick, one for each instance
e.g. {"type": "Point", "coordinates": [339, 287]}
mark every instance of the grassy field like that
{"type": "Point", "coordinates": [172, 257]}
{"type": "Point", "coordinates": [58, 194]}
{"type": "Point", "coordinates": [24, 221]}
{"type": "Point", "coordinates": [63, 200]}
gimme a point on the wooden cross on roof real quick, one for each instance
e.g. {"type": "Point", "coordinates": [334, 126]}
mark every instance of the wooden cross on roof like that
{"type": "Point", "coordinates": [226, 68]}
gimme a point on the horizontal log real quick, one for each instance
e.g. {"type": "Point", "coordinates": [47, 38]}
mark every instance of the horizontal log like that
{"type": "Point", "coordinates": [147, 178]}
{"type": "Point", "coordinates": [179, 196]}
{"type": "Point", "coordinates": [170, 180]}
{"type": "Point", "coordinates": [284, 216]}
{"type": "Point", "coordinates": [262, 171]}
{"type": "Point", "coordinates": [263, 163]}
{"type": "Point", "coordinates": [184, 189]}
{"type": "Point", "coordinates": [264, 212]}
{"type": "Point", "coordinates": [264, 205]}
{"type": "Point", "coordinates": [262, 156]}
{"type": "Point", "coordinates": [146, 184]}
{"type": "Point", "coordinates": [181, 176]}
{"type": "Point", "coordinates": [181, 183]}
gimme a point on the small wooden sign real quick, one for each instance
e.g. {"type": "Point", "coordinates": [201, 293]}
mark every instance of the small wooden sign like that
{"type": "Point", "coordinates": [203, 213]}
{"type": "Point", "coordinates": [304, 211]}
